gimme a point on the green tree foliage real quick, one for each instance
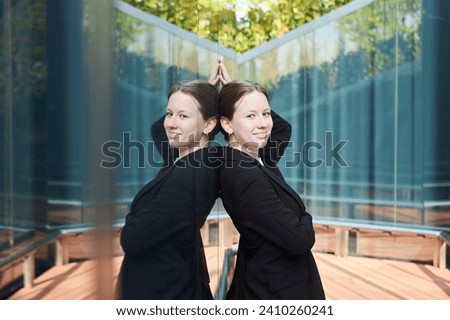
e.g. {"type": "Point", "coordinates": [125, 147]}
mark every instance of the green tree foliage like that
{"type": "Point", "coordinates": [236, 24]}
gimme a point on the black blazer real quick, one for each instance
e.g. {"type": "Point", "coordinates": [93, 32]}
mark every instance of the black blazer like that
{"type": "Point", "coordinates": [164, 256]}
{"type": "Point", "coordinates": [274, 259]}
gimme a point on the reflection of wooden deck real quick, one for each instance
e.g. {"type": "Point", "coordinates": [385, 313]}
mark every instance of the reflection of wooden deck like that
{"type": "Point", "coordinates": [349, 278]}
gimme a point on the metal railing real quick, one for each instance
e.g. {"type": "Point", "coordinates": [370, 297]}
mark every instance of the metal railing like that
{"type": "Point", "coordinates": [227, 270]}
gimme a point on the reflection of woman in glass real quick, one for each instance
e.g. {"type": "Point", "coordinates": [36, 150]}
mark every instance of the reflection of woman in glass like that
{"type": "Point", "coordinates": [164, 257]}
{"type": "Point", "coordinates": [274, 259]}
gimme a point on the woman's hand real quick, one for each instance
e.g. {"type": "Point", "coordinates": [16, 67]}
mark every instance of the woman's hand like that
{"type": "Point", "coordinates": [220, 73]}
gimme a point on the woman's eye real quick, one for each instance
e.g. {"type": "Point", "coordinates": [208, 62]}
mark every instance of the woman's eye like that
{"type": "Point", "coordinates": [169, 114]}
{"type": "Point", "coordinates": [266, 114]}
{"type": "Point", "coordinates": [251, 116]}
{"type": "Point", "coordinates": [183, 116]}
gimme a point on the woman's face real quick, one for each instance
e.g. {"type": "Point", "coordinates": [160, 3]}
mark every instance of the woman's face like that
{"type": "Point", "coordinates": [184, 123]}
{"type": "Point", "coordinates": [252, 123]}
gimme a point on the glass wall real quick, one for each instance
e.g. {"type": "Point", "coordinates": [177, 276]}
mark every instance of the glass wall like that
{"type": "Point", "coordinates": [53, 93]}
{"type": "Point", "coordinates": [365, 89]}
{"type": "Point", "coordinates": [43, 113]}
{"type": "Point", "coordinates": [368, 135]}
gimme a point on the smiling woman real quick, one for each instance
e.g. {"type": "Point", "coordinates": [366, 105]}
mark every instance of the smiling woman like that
{"type": "Point", "coordinates": [164, 256]}
{"type": "Point", "coordinates": [274, 259]}
{"type": "Point", "coordinates": [250, 125]}
{"type": "Point", "coordinates": [185, 125]}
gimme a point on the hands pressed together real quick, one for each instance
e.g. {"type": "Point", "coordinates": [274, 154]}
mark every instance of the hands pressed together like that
{"type": "Point", "coordinates": [220, 74]}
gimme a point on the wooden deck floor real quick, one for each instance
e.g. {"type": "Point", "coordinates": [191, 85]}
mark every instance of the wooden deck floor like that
{"type": "Point", "coordinates": [344, 278]}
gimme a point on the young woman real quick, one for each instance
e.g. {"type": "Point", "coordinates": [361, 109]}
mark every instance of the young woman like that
{"type": "Point", "coordinates": [274, 259]}
{"type": "Point", "coordinates": [164, 257]}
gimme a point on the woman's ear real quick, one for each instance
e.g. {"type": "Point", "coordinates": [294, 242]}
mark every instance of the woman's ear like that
{"type": "Point", "coordinates": [210, 125]}
{"type": "Point", "coordinates": [226, 125]}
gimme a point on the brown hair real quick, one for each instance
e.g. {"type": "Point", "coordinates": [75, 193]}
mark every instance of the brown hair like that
{"type": "Point", "coordinates": [207, 97]}
{"type": "Point", "coordinates": [231, 93]}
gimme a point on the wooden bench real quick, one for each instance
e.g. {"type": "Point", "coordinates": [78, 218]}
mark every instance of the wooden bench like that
{"type": "Point", "coordinates": [344, 227]}
{"type": "Point", "coordinates": [25, 255]}
{"type": "Point", "coordinates": [342, 230]}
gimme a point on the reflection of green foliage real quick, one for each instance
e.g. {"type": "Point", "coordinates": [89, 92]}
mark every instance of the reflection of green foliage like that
{"type": "Point", "coordinates": [386, 31]}
{"type": "Point", "coordinates": [126, 30]}
{"type": "Point", "coordinates": [377, 37]}
{"type": "Point", "coordinates": [26, 55]}
{"type": "Point", "coordinates": [236, 27]}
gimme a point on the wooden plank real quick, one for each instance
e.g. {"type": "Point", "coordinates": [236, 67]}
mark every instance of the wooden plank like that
{"type": "Point", "coordinates": [344, 278]}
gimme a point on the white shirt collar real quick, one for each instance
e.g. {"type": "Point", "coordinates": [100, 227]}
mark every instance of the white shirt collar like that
{"type": "Point", "coordinates": [260, 161]}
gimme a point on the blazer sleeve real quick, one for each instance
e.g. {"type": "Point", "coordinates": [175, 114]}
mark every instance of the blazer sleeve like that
{"type": "Point", "coordinates": [172, 210]}
{"type": "Point", "coordinates": [161, 141]}
{"type": "Point", "coordinates": [278, 141]}
{"type": "Point", "coordinates": [261, 209]}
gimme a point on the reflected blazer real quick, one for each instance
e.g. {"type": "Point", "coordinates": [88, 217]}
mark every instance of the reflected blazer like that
{"type": "Point", "coordinates": [274, 259]}
{"type": "Point", "coordinates": [164, 256]}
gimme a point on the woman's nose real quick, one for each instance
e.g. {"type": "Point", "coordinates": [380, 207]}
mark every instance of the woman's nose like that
{"type": "Point", "coordinates": [171, 122]}
{"type": "Point", "coordinates": [262, 122]}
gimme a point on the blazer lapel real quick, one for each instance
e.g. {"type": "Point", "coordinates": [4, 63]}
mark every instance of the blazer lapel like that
{"type": "Point", "coordinates": [283, 184]}
{"type": "Point", "coordinates": [239, 158]}
{"type": "Point", "coordinates": [161, 175]}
